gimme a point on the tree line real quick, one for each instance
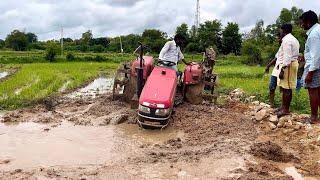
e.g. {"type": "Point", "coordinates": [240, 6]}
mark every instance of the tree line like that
{"type": "Point", "coordinates": [225, 40]}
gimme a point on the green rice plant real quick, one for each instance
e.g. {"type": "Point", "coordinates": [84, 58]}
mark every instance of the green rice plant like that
{"type": "Point", "coordinates": [34, 82]}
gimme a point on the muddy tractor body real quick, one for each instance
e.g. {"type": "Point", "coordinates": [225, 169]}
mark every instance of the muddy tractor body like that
{"type": "Point", "coordinates": [155, 90]}
{"type": "Point", "coordinates": [157, 98]}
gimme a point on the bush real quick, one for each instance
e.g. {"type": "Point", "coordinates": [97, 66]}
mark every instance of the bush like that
{"type": "Point", "coordinates": [70, 57]}
{"type": "Point", "coordinates": [252, 53]}
{"type": "Point", "coordinates": [51, 52]}
{"type": "Point", "coordinates": [84, 48]}
{"type": "Point", "coordinates": [98, 48]}
{"type": "Point", "coordinates": [99, 58]}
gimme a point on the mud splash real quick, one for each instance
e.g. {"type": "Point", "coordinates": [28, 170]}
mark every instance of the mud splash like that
{"type": "Point", "coordinates": [3, 74]}
{"type": "Point", "coordinates": [99, 86]}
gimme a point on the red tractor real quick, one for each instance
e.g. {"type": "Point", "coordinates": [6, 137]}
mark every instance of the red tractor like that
{"type": "Point", "coordinates": [155, 90]}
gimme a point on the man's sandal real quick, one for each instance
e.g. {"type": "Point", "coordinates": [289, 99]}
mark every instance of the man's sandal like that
{"type": "Point", "coordinates": [281, 114]}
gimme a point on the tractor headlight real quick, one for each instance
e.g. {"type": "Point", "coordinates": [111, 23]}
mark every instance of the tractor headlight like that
{"type": "Point", "coordinates": [144, 109]}
{"type": "Point", "coordinates": [163, 112]}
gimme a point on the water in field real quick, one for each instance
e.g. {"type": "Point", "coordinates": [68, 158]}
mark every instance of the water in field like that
{"type": "Point", "coordinates": [30, 144]}
{"type": "Point", "coordinates": [3, 74]}
{"type": "Point", "coordinates": [99, 86]}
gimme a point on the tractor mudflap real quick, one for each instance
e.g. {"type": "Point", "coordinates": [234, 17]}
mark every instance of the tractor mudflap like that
{"type": "Point", "coordinates": [134, 102]}
{"type": "Point", "coordinates": [193, 93]}
{"type": "Point", "coordinates": [124, 86]}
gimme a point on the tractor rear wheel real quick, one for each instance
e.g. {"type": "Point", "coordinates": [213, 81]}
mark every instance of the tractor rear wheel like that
{"type": "Point", "coordinates": [130, 89]}
{"type": "Point", "coordinates": [193, 93]}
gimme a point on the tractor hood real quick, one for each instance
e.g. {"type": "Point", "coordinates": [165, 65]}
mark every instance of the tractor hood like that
{"type": "Point", "coordinates": [160, 88]}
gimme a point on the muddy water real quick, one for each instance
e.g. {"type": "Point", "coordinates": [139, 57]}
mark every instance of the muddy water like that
{"type": "Point", "coordinates": [98, 86]}
{"type": "Point", "coordinates": [30, 145]}
{"type": "Point", "coordinates": [3, 74]}
{"type": "Point", "coordinates": [150, 136]}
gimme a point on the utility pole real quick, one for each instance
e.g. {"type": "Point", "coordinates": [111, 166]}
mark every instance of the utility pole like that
{"type": "Point", "coordinates": [121, 45]}
{"type": "Point", "coordinates": [197, 17]}
{"type": "Point", "coordinates": [61, 41]}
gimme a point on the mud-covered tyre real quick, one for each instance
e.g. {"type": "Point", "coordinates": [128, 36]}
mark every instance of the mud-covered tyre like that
{"type": "Point", "coordinates": [130, 89]}
{"type": "Point", "coordinates": [194, 93]}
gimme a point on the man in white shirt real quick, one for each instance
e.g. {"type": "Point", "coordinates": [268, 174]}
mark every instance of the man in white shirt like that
{"type": "Point", "coordinates": [288, 56]}
{"type": "Point", "coordinates": [172, 51]}
{"type": "Point", "coordinates": [274, 75]}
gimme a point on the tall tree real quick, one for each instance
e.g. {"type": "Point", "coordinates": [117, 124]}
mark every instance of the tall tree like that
{"type": "Point", "coordinates": [258, 32]}
{"type": "Point", "coordinates": [183, 30]}
{"type": "Point", "coordinates": [100, 41]}
{"type": "Point", "coordinates": [296, 13]}
{"type": "Point", "coordinates": [231, 39]}
{"type": "Point", "coordinates": [86, 37]}
{"type": "Point", "coordinates": [17, 40]}
{"type": "Point", "coordinates": [285, 17]}
{"type": "Point", "coordinates": [154, 39]}
{"type": "Point", "coordinates": [2, 43]}
{"type": "Point", "coordinates": [209, 35]}
{"type": "Point", "coordinates": [32, 38]}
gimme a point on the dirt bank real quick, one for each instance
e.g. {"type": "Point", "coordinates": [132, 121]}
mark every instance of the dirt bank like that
{"type": "Point", "coordinates": [203, 141]}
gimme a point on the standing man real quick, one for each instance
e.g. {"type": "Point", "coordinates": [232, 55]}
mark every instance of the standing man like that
{"type": "Point", "coordinates": [172, 51]}
{"type": "Point", "coordinates": [311, 75]}
{"type": "Point", "coordinates": [274, 75]}
{"type": "Point", "coordinates": [288, 55]}
{"type": "Point", "coordinates": [273, 79]}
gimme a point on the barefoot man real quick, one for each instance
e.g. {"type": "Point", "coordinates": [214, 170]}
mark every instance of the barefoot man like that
{"type": "Point", "coordinates": [288, 55]}
{"type": "Point", "coordinates": [311, 76]}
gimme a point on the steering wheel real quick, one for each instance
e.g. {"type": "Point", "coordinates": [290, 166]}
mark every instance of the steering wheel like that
{"type": "Point", "coordinates": [166, 63]}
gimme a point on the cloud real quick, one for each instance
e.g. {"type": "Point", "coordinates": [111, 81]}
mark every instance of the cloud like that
{"type": "Point", "coordinates": [120, 17]}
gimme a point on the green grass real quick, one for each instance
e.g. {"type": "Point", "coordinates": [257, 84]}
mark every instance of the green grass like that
{"type": "Point", "coordinates": [252, 80]}
{"type": "Point", "coordinates": [39, 80]}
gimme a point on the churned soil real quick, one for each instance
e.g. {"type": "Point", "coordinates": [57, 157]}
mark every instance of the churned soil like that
{"type": "Point", "coordinates": [209, 141]}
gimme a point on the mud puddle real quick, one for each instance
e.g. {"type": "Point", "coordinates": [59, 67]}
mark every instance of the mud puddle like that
{"type": "Point", "coordinates": [28, 145]}
{"type": "Point", "coordinates": [3, 74]}
{"type": "Point", "coordinates": [99, 86]}
{"type": "Point", "coordinates": [151, 136]}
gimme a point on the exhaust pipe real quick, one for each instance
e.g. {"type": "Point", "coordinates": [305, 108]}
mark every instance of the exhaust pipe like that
{"type": "Point", "coordinates": [140, 73]}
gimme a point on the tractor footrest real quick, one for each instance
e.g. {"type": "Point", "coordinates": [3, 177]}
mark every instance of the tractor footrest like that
{"type": "Point", "coordinates": [121, 82]}
{"type": "Point", "coordinates": [125, 71]}
{"type": "Point", "coordinates": [211, 84]}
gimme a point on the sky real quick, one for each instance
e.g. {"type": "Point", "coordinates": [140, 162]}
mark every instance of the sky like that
{"type": "Point", "coordinates": [121, 17]}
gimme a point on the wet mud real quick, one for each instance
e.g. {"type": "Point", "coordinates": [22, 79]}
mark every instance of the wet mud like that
{"type": "Point", "coordinates": [97, 138]}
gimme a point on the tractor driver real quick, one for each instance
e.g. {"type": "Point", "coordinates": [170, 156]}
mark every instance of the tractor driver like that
{"type": "Point", "coordinates": [172, 51]}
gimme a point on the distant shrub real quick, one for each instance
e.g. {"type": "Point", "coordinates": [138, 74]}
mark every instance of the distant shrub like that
{"type": "Point", "coordinates": [84, 48]}
{"type": "Point", "coordinates": [70, 57]}
{"type": "Point", "coordinates": [51, 52]}
{"type": "Point", "coordinates": [99, 58]}
{"type": "Point", "coordinates": [98, 48]}
{"type": "Point", "coordinates": [88, 58]}
{"type": "Point", "coordinates": [252, 53]}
